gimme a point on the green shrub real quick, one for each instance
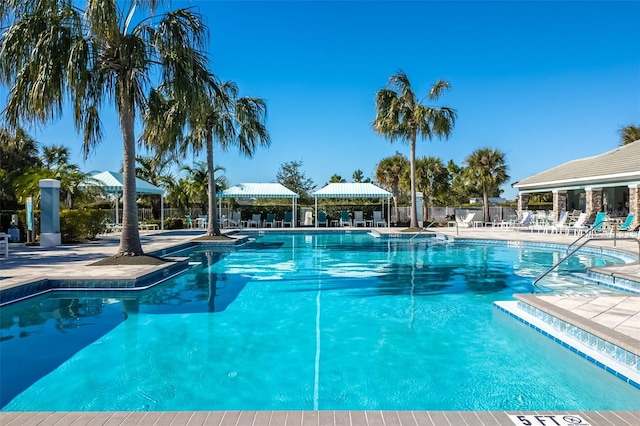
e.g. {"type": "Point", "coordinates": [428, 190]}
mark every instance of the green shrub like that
{"type": "Point", "coordinates": [78, 225]}
{"type": "Point", "coordinates": [171, 223]}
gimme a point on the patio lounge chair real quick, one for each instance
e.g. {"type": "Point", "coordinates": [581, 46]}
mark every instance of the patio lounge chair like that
{"type": "Point", "coordinates": [378, 219]}
{"type": "Point", "coordinates": [467, 221]}
{"type": "Point", "coordinates": [322, 219]}
{"type": "Point", "coordinates": [525, 222]}
{"type": "Point", "coordinates": [344, 218]}
{"type": "Point", "coordinates": [288, 219]}
{"type": "Point", "coordinates": [234, 222]}
{"type": "Point", "coordinates": [270, 221]}
{"type": "Point", "coordinates": [358, 218]}
{"type": "Point", "coordinates": [626, 227]}
{"type": "Point", "coordinates": [599, 226]}
{"type": "Point", "coordinates": [578, 227]}
{"type": "Point", "coordinates": [256, 220]}
{"type": "Point", "coordinates": [559, 226]}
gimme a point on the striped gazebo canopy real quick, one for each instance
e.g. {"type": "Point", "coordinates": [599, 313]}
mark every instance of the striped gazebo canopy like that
{"type": "Point", "coordinates": [351, 190]}
{"type": "Point", "coordinates": [258, 190]}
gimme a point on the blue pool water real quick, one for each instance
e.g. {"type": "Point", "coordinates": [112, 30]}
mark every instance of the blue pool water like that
{"type": "Point", "coordinates": [324, 321]}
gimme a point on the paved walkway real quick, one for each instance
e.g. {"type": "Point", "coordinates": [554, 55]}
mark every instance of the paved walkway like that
{"type": "Point", "coordinates": [26, 264]}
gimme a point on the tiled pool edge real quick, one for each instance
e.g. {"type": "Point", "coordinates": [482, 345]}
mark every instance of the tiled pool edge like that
{"type": "Point", "coordinates": [134, 283]}
{"type": "Point", "coordinates": [533, 318]}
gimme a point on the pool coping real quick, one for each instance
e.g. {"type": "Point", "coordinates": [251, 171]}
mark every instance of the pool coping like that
{"type": "Point", "coordinates": [321, 418]}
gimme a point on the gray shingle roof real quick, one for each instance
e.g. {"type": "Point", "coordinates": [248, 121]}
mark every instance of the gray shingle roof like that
{"type": "Point", "coordinates": [620, 166]}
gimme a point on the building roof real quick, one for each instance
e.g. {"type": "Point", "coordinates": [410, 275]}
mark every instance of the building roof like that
{"type": "Point", "coordinates": [620, 166]}
{"type": "Point", "coordinates": [258, 190]}
{"type": "Point", "coordinates": [351, 190]}
{"type": "Point", "coordinates": [111, 182]}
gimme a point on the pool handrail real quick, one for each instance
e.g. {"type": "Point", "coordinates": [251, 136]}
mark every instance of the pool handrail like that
{"type": "Point", "coordinates": [569, 254]}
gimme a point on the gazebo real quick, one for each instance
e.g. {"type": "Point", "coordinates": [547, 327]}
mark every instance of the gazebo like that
{"type": "Point", "coordinates": [352, 190]}
{"type": "Point", "coordinates": [260, 190]}
{"type": "Point", "coordinates": [112, 183]}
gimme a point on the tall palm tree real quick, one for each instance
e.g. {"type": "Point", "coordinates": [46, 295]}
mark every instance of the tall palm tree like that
{"type": "Point", "coordinates": [486, 170]}
{"type": "Point", "coordinates": [220, 116]}
{"type": "Point", "coordinates": [52, 51]}
{"type": "Point", "coordinates": [388, 174]}
{"type": "Point", "coordinates": [629, 134]}
{"type": "Point", "coordinates": [399, 115]}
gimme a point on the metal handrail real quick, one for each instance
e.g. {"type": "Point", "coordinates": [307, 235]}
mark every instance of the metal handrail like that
{"type": "Point", "coordinates": [568, 255]}
{"type": "Point", "coordinates": [431, 224]}
{"type": "Point", "coordinates": [591, 230]}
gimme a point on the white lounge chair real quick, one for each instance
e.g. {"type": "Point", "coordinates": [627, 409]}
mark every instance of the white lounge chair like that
{"type": "Point", "coordinates": [256, 220]}
{"type": "Point", "coordinates": [467, 221]}
{"type": "Point", "coordinates": [559, 226]}
{"type": "Point", "coordinates": [578, 227]}
{"type": "Point", "coordinates": [358, 218]}
{"type": "Point", "coordinates": [234, 222]}
{"type": "Point", "coordinates": [378, 220]}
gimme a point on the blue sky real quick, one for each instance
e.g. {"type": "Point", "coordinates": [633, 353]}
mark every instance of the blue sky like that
{"type": "Point", "coordinates": [544, 82]}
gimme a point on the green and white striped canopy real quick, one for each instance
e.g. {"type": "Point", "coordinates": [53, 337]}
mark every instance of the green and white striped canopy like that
{"type": "Point", "coordinates": [351, 190]}
{"type": "Point", "coordinates": [111, 182]}
{"type": "Point", "coordinates": [258, 190]}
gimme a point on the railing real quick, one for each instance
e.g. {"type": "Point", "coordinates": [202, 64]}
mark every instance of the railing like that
{"type": "Point", "coordinates": [431, 224]}
{"type": "Point", "coordinates": [615, 238]}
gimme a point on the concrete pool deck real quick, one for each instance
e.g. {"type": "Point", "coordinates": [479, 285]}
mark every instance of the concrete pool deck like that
{"type": "Point", "coordinates": [602, 313]}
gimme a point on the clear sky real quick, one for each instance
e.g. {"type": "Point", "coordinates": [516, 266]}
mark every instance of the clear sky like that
{"type": "Point", "coordinates": [544, 82]}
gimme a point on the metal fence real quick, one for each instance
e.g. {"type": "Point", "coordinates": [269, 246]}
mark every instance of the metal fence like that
{"type": "Point", "coordinates": [496, 213]}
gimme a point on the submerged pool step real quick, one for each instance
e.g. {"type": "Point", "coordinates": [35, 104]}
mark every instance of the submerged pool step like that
{"type": "Point", "coordinates": [613, 353]}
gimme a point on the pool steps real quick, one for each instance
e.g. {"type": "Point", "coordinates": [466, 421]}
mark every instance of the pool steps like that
{"type": "Point", "coordinates": [617, 358]}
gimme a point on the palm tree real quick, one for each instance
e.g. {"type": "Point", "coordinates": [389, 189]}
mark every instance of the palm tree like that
{"type": "Point", "coordinates": [335, 178]}
{"type": "Point", "coordinates": [629, 134]}
{"type": "Point", "coordinates": [220, 116]}
{"type": "Point", "coordinates": [18, 153]}
{"type": "Point", "coordinates": [53, 51]}
{"type": "Point", "coordinates": [53, 164]}
{"type": "Point", "coordinates": [198, 179]}
{"type": "Point", "coordinates": [486, 169]}
{"type": "Point", "coordinates": [431, 176]}
{"type": "Point", "coordinates": [388, 174]}
{"type": "Point", "coordinates": [399, 115]}
{"type": "Point", "coordinates": [155, 170]}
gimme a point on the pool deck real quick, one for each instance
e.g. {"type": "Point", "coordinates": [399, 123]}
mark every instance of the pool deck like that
{"type": "Point", "coordinates": [617, 317]}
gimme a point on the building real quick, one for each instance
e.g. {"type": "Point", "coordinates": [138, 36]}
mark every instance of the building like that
{"type": "Point", "coordinates": [608, 182]}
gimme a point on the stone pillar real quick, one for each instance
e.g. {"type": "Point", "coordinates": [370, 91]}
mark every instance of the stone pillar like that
{"type": "Point", "coordinates": [50, 213]}
{"type": "Point", "coordinates": [523, 202]}
{"type": "Point", "coordinates": [634, 204]}
{"type": "Point", "coordinates": [559, 203]}
{"type": "Point", "coordinates": [594, 202]}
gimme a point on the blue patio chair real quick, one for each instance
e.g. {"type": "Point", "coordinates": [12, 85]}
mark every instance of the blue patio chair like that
{"type": "Point", "coordinates": [626, 227]}
{"type": "Point", "coordinates": [322, 219]}
{"type": "Point", "coordinates": [270, 220]}
{"type": "Point", "coordinates": [288, 219]}
{"type": "Point", "coordinates": [344, 218]}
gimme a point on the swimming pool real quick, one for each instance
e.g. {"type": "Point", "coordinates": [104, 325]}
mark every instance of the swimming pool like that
{"type": "Point", "coordinates": [294, 321]}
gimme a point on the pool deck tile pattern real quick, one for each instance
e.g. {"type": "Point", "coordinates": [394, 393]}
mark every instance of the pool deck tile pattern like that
{"type": "Point", "coordinates": [307, 418]}
{"type": "Point", "coordinates": [617, 316]}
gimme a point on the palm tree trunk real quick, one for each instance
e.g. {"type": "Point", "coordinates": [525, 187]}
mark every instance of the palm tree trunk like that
{"type": "Point", "coordinates": [214, 226]}
{"type": "Point", "coordinates": [414, 207]}
{"type": "Point", "coordinates": [130, 237]}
